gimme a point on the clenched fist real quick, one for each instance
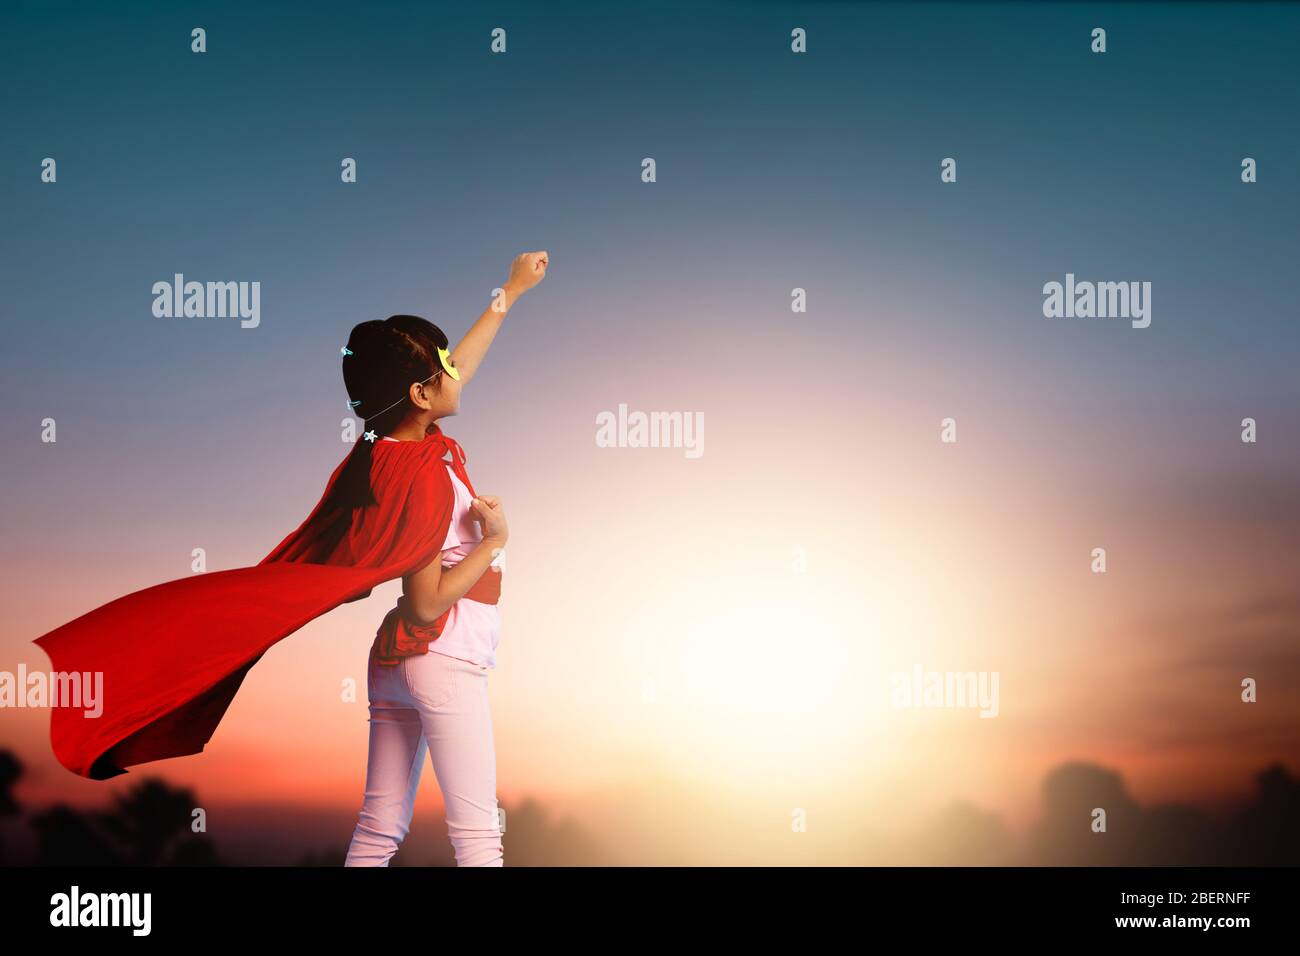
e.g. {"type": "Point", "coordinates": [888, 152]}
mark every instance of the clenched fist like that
{"type": "Point", "coordinates": [487, 511]}
{"type": "Point", "coordinates": [528, 269]}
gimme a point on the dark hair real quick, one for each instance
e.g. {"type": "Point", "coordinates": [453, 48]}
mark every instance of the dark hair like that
{"type": "Point", "coordinates": [387, 357]}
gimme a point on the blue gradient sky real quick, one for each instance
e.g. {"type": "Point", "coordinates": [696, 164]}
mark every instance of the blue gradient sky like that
{"type": "Point", "coordinates": [774, 170]}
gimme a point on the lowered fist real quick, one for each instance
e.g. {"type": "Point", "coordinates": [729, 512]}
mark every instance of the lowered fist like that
{"type": "Point", "coordinates": [487, 511]}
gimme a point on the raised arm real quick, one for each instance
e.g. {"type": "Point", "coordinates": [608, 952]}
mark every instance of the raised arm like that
{"type": "Point", "coordinates": [528, 269]}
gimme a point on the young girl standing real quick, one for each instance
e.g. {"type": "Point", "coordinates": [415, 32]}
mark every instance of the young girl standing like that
{"type": "Point", "coordinates": [427, 673]}
{"type": "Point", "coordinates": [401, 504]}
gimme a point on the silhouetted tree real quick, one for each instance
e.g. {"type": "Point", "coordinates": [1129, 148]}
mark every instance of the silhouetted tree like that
{"type": "Point", "coordinates": [148, 820]}
{"type": "Point", "coordinates": [11, 770]}
{"type": "Point", "coordinates": [1264, 833]}
{"type": "Point", "coordinates": [68, 838]}
{"type": "Point", "coordinates": [1177, 836]}
{"type": "Point", "coordinates": [1267, 832]}
{"type": "Point", "coordinates": [1065, 837]}
{"type": "Point", "coordinates": [149, 825]}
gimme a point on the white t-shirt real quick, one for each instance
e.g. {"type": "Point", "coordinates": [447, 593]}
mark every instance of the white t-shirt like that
{"type": "Point", "coordinates": [473, 628]}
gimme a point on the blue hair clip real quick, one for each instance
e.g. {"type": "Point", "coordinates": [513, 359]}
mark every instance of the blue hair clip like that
{"type": "Point", "coordinates": [345, 350]}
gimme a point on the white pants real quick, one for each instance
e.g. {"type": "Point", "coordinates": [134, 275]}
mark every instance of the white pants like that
{"type": "Point", "coordinates": [440, 704]}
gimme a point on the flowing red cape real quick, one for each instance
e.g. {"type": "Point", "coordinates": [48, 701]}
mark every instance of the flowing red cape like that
{"type": "Point", "coordinates": [173, 655]}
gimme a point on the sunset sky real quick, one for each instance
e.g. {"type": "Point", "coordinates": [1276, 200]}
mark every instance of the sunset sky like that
{"type": "Point", "coordinates": [691, 648]}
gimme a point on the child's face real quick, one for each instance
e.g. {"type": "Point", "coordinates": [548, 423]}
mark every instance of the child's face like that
{"type": "Point", "coordinates": [447, 395]}
{"type": "Point", "coordinates": [440, 397]}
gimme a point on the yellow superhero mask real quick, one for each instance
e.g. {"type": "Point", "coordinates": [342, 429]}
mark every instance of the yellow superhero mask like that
{"type": "Point", "coordinates": [445, 358]}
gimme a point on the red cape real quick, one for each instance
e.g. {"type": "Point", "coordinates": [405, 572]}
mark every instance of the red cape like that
{"type": "Point", "coordinates": [173, 655]}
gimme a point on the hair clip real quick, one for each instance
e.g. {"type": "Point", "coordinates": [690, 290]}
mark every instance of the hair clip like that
{"type": "Point", "coordinates": [345, 350]}
{"type": "Point", "coordinates": [443, 356]}
{"type": "Point", "coordinates": [370, 435]}
{"type": "Point", "coordinates": [353, 403]}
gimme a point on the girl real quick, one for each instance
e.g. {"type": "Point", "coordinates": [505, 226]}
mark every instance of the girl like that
{"type": "Point", "coordinates": [171, 657]}
{"type": "Point", "coordinates": [423, 695]}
